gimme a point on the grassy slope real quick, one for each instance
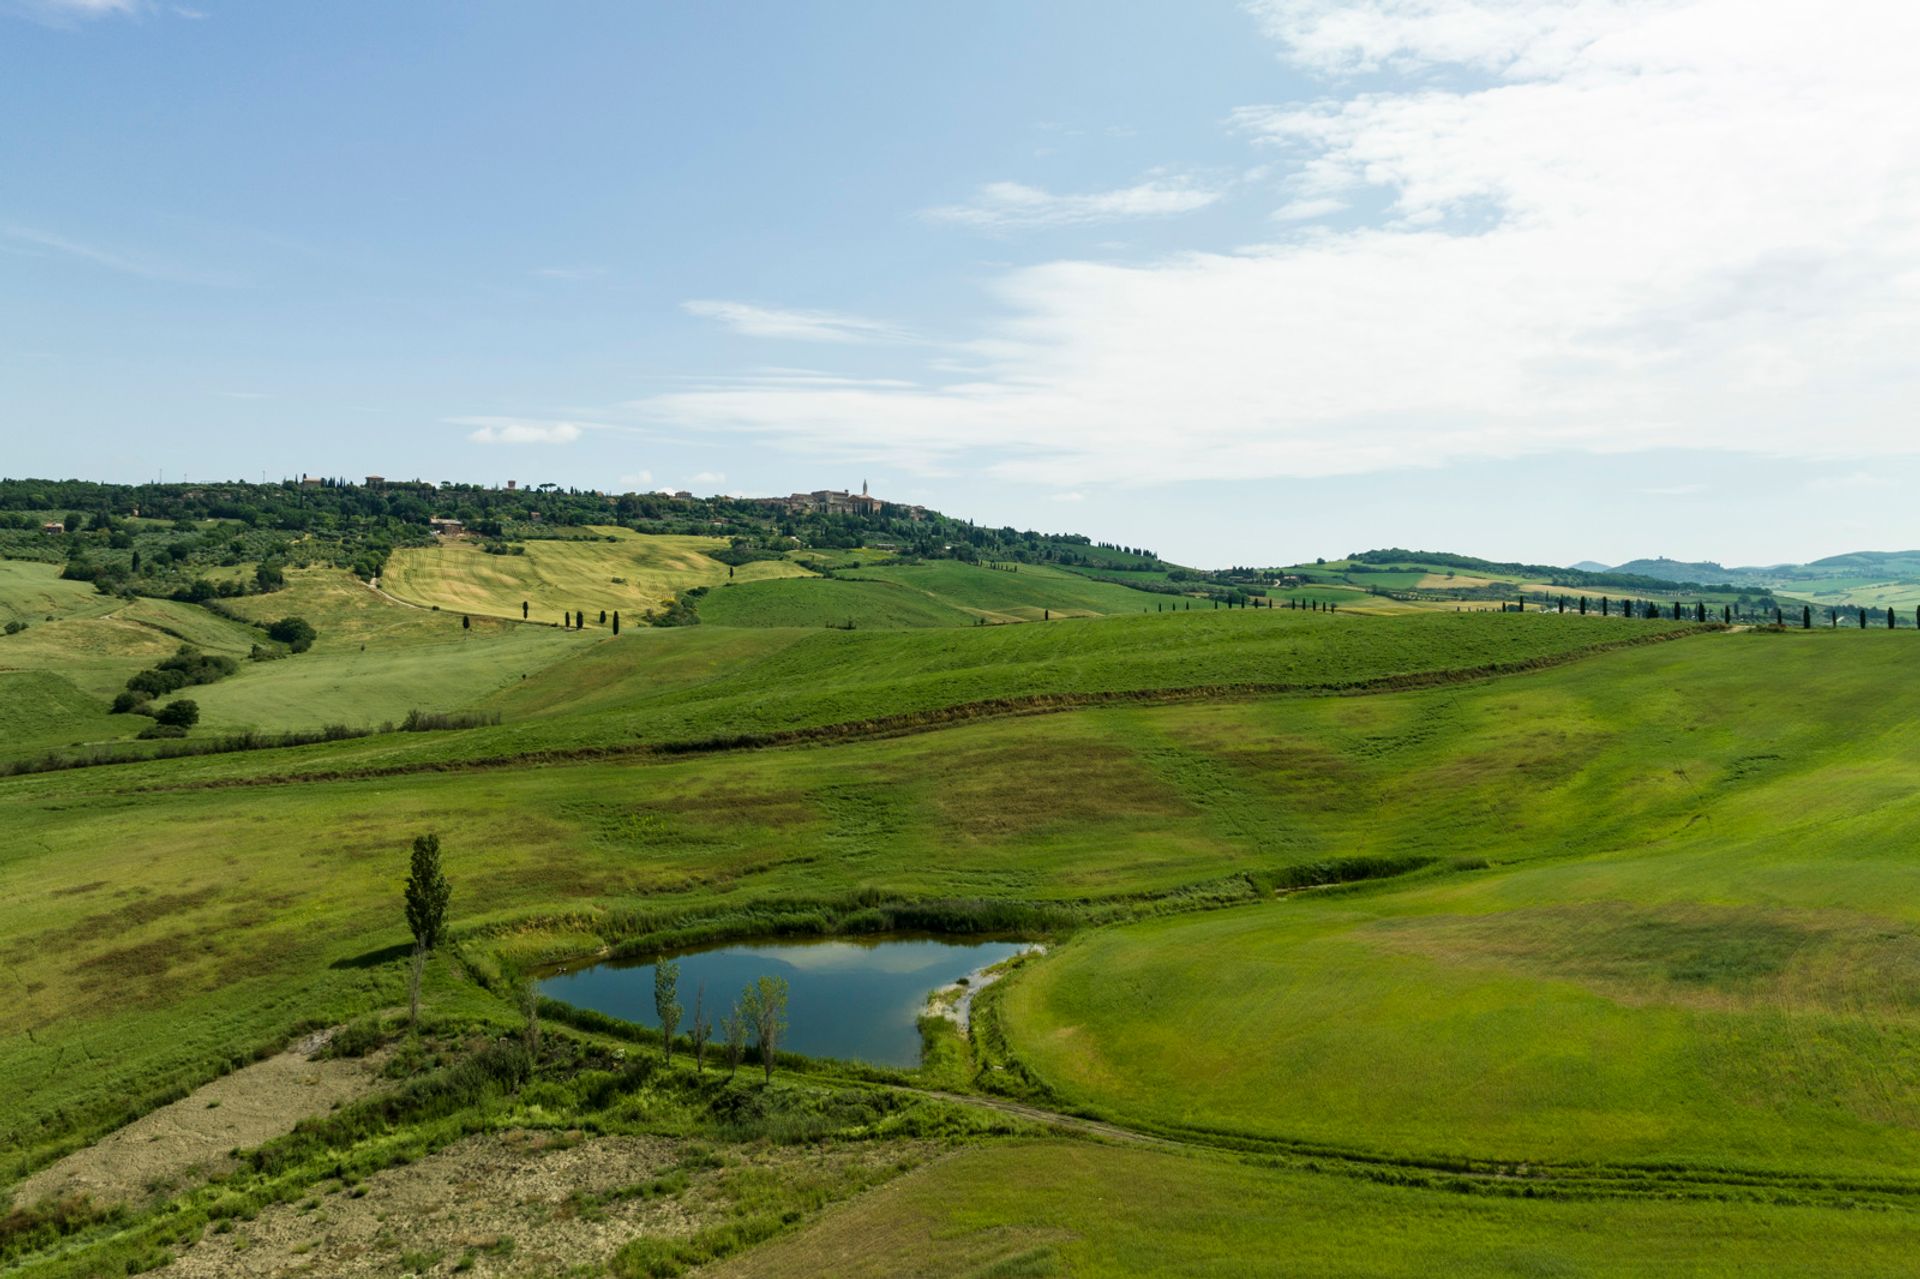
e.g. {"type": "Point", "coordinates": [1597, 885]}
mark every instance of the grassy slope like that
{"type": "Point", "coordinates": [830, 678]}
{"type": "Point", "coordinates": [229, 910]}
{"type": "Point", "coordinates": [555, 577]}
{"type": "Point", "coordinates": [1718, 980]}
{"type": "Point", "coordinates": [1025, 595]}
{"type": "Point", "coordinates": [1073, 1208]}
{"type": "Point", "coordinates": [816, 602]}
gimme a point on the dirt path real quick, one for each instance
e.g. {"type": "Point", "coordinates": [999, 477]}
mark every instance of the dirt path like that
{"type": "Point", "coordinates": [192, 1138]}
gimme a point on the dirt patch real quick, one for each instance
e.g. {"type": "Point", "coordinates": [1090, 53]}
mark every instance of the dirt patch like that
{"type": "Point", "coordinates": [509, 1203]}
{"type": "Point", "coordinates": [194, 1137]}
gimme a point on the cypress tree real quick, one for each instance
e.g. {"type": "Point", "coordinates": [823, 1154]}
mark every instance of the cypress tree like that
{"type": "Point", "coordinates": [1889, 619]}
{"type": "Point", "coordinates": [523, 610]}
{"type": "Point", "coordinates": [1806, 617]}
{"type": "Point", "coordinates": [1604, 602]}
{"type": "Point", "coordinates": [1863, 619]}
{"type": "Point", "coordinates": [603, 617]}
{"type": "Point", "coordinates": [616, 621]}
{"type": "Point", "coordinates": [466, 623]}
{"type": "Point", "coordinates": [1700, 611]}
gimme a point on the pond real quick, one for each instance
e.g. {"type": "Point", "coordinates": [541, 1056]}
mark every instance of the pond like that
{"type": "Point", "coordinates": [856, 1000]}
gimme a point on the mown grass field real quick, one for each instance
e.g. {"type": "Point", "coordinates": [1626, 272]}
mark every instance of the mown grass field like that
{"type": "Point", "coordinates": [1646, 924]}
{"type": "Point", "coordinates": [614, 569]}
{"type": "Point", "coordinates": [1060, 1208]}
{"type": "Point", "coordinates": [1711, 963]}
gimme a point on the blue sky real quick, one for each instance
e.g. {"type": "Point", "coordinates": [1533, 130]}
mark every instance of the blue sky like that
{"type": "Point", "coordinates": [1541, 279]}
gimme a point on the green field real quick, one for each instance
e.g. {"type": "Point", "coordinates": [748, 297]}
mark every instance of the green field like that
{"type": "Point", "coordinates": [816, 602]}
{"type": "Point", "coordinates": [1475, 942]}
{"type": "Point", "coordinates": [1079, 1209]}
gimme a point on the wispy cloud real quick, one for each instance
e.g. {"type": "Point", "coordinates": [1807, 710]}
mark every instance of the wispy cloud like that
{"type": "Point", "coordinates": [802, 326]}
{"type": "Point", "coordinates": [1013, 206]}
{"type": "Point", "coordinates": [519, 430]}
{"type": "Point", "coordinates": [42, 243]}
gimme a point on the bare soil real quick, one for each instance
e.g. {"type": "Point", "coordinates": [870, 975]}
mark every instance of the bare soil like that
{"type": "Point", "coordinates": [193, 1138]}
{"type": "Point", "coordinates": [512, 1203]}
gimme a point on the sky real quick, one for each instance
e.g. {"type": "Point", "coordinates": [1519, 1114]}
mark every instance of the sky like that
{"type": "Point", "coordinates": [1242, 283]}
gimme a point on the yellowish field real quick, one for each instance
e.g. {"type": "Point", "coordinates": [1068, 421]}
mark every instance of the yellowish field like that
{"type": "Point", "coordinates": [630, 572]}
{"type": "Point", "coordinates": [1453, 581]}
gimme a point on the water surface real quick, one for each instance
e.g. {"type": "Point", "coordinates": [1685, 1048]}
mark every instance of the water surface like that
{"type": "Point", "coordinates": [859, 1000]}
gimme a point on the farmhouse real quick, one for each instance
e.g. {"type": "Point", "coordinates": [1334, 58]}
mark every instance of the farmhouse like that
{"type": "Point", "coordinates": [447, 528]}
{"type": "Point", "coordinates": [53, 528]}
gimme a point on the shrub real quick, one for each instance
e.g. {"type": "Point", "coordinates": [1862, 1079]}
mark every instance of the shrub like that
{"type": "Point", "coordinates": [183, 714]}
{"type": "Point", "coordinates": [295, 632]}
{"type": "Point", "coordinates": [131, 703]}
{"type": "Point", "coordinates": [155, 730]}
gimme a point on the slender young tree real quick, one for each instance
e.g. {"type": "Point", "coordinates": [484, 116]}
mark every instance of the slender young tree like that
{"type": "Point", "coordinates": [1806, 617]}
{"type": "Point", "coordinates": [466, 623]}
{"type": "Point", "coordinates": [523, 610]}
{"type": "Point", "coordinates": [530, 1013]}
{"type": "Point", "coordinates": [427, 895]}
{"type": "Point", "coordinates": [1863, 618]}
{"type": "Point", "coordinates": [666, 1002]}
{"type": "Point", "coordinates": [765, 1004]}
{"type": "Point", "coordinates": [699, 1030]}
{"type": "Point", "coordinates": [733, 1031]}
{"type": "Point", "coordinates": [616, 621]}
{"type": "Point", "coordinates": [427, 892]}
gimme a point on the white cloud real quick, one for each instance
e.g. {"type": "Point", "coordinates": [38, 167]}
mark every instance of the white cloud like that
{"type": "Point", "coordinates": [1602, 225]}
{"type": "Point", "coordinates": [709, 477]}
{"type": "Point", "coordinates": [804, 326]}
{"type": "Point", "coordinates": [1009, 206]}
{"type": "Point", "coordinates": [1069, 497]}
{"type": "Point", "coordinates": [514, 430]}
{"type": "Point", "coordinates": [1308, 209]}
{"type": "Point", "coordinates": [637, 481]}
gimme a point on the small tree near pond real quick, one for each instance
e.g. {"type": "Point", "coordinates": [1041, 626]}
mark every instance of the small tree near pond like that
{"type": "Point", "coordinates": [764, 1004]}
{"type": "Point", "coordinates": [699, 1029]}
{"type": "Point", "coordinates": [733, 1029]}
{"type": "Point", "coordinates": [666, 1002]}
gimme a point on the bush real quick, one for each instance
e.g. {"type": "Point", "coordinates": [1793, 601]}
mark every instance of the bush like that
{"type": "Point", "coordinates": [155, 730]}
{"type": "Point", "coordinates": [295, 632]}
{"type": "Point", "coordinates": [131, 703]}
{"type": "Point", "coordinates": [16, 626]}
{"type": "Point", "coordinates": [183, 714]}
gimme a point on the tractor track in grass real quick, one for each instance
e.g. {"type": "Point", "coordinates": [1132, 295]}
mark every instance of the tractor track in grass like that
{"type": "Point", "coordinates": [934, 719]}
{"type": "Point", "coordinates": [1467, 1175]}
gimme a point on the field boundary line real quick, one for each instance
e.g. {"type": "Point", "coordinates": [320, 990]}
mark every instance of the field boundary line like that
{"type": "Point", "coordinates": [932, 720]}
